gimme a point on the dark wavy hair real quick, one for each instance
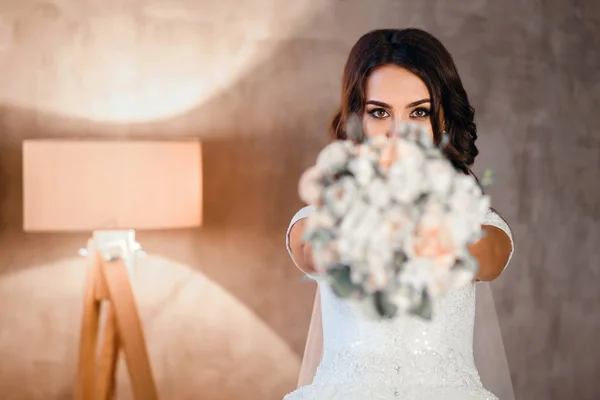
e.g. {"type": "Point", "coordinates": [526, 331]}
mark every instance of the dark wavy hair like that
{"type": "Point", "coordinates": [425, 56]}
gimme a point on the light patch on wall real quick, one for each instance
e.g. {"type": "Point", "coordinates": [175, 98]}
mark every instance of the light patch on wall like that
{"type": "Point", "coordinates": [143, 62]}
{"type": "Point", "coordinates": [5, 34]}
{"type": "Point", "coordinates": [193, 327]}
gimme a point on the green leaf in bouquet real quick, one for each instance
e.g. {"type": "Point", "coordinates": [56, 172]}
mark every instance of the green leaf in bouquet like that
{"type": "Point", "coordinates": [487, 179]}
{"type": "Point", "coordinates": [318, 238]}
{"type": "Point", "coordinates": [341, 281]}
{"type": "Point", "coordinates": [424, 308]}
{"type": "Point", "coordinates": [422, 200]}
{"type": "Point", "coordinates": [385, 308]}
{"type": "Point", "coordinates": [398, 261]}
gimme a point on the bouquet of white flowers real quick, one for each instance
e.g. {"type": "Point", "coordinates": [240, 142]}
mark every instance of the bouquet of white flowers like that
{"type": "Point", "coordinates": [392, 221]}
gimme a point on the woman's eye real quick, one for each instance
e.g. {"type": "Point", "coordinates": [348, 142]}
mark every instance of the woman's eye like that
{"type": "Point", "coordinates": [420, 113]}
{"type": "Point", "coordinates": [379, 113]}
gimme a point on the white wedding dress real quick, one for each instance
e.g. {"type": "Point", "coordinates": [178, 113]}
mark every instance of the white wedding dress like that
{"type": "Point", "coordinates": [403, 358]}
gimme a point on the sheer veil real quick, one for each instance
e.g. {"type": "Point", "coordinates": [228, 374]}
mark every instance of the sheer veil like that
{"type": "Point", "coordinates": [488, 346]}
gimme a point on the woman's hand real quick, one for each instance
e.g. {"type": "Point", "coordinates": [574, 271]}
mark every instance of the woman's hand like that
{"type": "Point", "coordinates": [301, 250]}
{"type": "Point", "coordinates": [492, 253]}
{"type": "Point", "coordinates": [307, 254]}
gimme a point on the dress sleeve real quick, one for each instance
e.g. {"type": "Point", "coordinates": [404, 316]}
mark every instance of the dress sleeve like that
{"type": "Point", "coordinates": [303, 213]}
{"type": "Point", "coordinates": [493, 219]}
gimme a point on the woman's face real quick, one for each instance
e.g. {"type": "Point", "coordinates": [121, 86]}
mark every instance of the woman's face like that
{"type": "Point", "coordinates": [395, 95]}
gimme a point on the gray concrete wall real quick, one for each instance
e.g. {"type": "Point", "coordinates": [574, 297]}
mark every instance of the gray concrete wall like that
{"type": "Point", "coordinates": [224, 310]}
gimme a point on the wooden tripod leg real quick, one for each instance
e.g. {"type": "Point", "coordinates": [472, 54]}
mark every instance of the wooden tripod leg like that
{"type": "Point", "coordinates": [84, 385]}
{"type": "Point", "coordinates": [131, 335]}
{"type": "Point", "coordinates": [107, 359]}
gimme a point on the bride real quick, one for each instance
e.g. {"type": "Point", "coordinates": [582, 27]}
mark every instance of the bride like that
{"type": "Point", "coordinates": [394, 76]}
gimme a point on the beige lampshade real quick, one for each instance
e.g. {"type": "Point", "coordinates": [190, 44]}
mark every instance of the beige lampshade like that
{"type": "Point", "coordinates": [78, 185]}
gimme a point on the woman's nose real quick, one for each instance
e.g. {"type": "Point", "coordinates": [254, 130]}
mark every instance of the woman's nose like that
{"type": "Point", "coordinates": [391, 128]}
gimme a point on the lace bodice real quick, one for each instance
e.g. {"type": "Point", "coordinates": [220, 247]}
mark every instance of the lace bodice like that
{"type": "Point", "coordinates": [405, 357]}
{"type": "Point", "coordinates": [402, 353]}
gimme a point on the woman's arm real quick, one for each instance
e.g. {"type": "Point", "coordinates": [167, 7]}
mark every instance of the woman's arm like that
{"type": "Point", "coordinates": [313, 350]}
{"type": "Point", "coordinates": [494, 250]}
{"type": "Point", "coordinates": [301, 251]}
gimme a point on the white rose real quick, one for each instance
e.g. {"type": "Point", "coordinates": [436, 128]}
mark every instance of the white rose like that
{"type": "Point", "coordinates": [417, 273]}
{"type": "Point", "coordinates": [406, 175]}
{"type": "Point", "coordinates": [363, 170]}
{"type": "Point", "coordinates": [366, 150]}
{"type": "Point", "coordinates": [350, 222]}
{"type": "Point", "coordinates": [340, 196]}
{"type": "Point", "coordinates": [397, 225]}
{"type": "Point", "coordinates": [378, 143]}
{"type": "Point", "coordinates": [409, 154]}
{"type": "Point", "coordinates": [334, 157]}
{"type": "Point", "coordinates": [378, 276]}
{"type": "Point", "coordinates": [401, 298]}
{"type": "Point", "coordinates": [440, 174]}
{"type": "Point", "coordinates": [378, 193]}
{"type": "Point", "coordinates": [433, 238]}
{"type": "Point", "coordinates": [468, 207]}
{"type": "Point", "coordinates": [368, 223]}
{"type": "Point", "coordinates": [380, 250]}
{"type": "Point", "coordinates": [320, 218]}
{"type": "Point", "coordinates": [416, 133]}
{"type": "Point", "coordinates": [405, 184]}
{"type": "Point", "coordinates": [348, 249]}
{"type": "Point", "coordinates": [327, 256]}
{"type": "Point", "coordinates": [355, 229]}
{"type": "Point", "coordinates": [310, 187]}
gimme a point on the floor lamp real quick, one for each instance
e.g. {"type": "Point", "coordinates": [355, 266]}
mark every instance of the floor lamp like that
{"type": "Point", "coordinates": [111, 188]}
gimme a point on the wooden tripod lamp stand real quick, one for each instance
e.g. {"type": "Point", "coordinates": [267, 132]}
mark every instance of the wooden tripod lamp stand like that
{"type": "Point", "coordinates": [111, 188]}
{"type": "Point", "coordinates": [108, 292]}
